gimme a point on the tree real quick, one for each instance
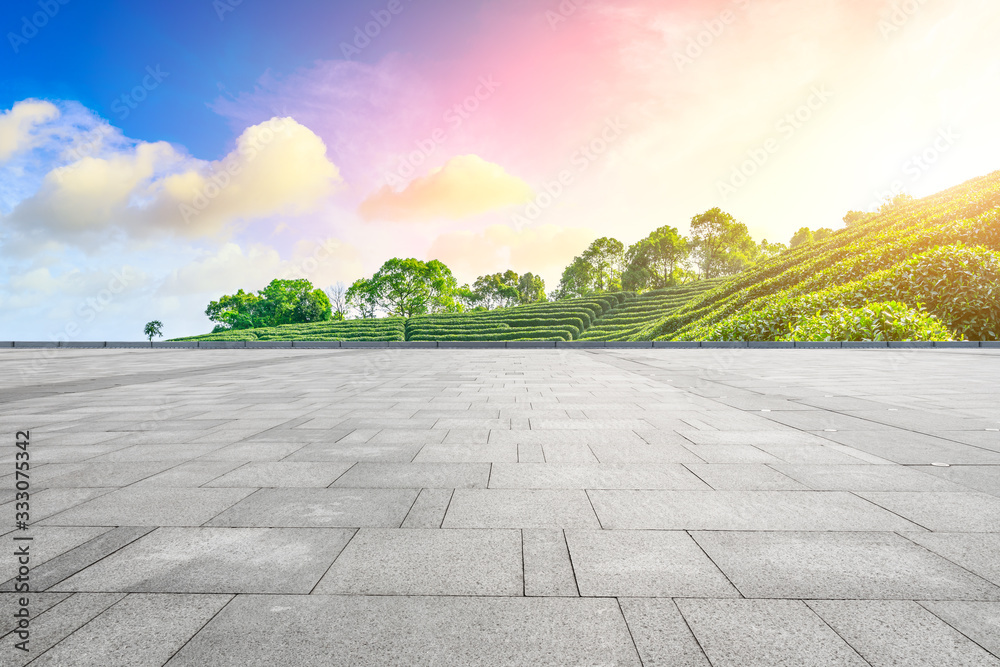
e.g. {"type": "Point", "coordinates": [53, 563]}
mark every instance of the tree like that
{"type": "Point", "coordinates": [281, 302]}
{"type": "Point", "coordinates": [606, 257]}
{"type": "Point", "coordinates": [768, 250]}
{"type": "Point", "coordinates": [902, 199]}
{"type": "Point", "coordinates": [822, 233]}
{"type": "Point", "coordinates": [498, 290]}
{"type": "Point", "coordinates": [530, 288]}
{"type": "Point", "coordinates": [655, 261]}
{"type": "Point", "coordinates": [293, 302]}
{"type": "Point", "coordinates": [722, 246]}
{"type": "Point", "coordinates": [236, 311]}
{"type": "Point", "coordinates": [804, 235]}
{"type": "Point", "coordinates": [577, 280]}
{"type": "Point", "coordinates": [153, 329]}
{"type": "Point", "coordinates": [363, 296]}
{"type": "Point", "coordinates": [406, 287]}
{"type": "Point", "coordinates": [338, 300]}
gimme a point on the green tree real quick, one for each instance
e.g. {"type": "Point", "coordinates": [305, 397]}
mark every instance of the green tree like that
{"type": "Point", "coordinates": [236, 311]}
{"type": "Point", "coordinates": [768, 250]}
{"type": "Point", "coordinates": [722, 246]}
{"type": "Point", "coordinates": [407, 287]}
{"type": "Point", "coordinates": [577, 280]}
{"type": "Point", "coordinates": [804, 235]}
{"type": "Point", "coordinates": [363, 296]}
{"type": "Point", "coordinates": [293, 302]}
{"type": "Point", "coordinates": [281, 302]}
{"type": "Point", "coordinates": [822, 233]}
{"type": "Point", "coordinates": [655, 261]}
{"type": "Point", "coordinates": [530, 288]}
{"type": "Point", "coordinates": [497, 290]}
{"type": "Point", "coordinates": [153, 329]}
{"type": "Point", "coordinates": [606, 257]}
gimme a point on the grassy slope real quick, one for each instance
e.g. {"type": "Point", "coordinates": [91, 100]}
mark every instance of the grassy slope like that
{"type": "Point", "coordinates": [598, 317]}
{"type": "Point", "coordinates": [912, 253]}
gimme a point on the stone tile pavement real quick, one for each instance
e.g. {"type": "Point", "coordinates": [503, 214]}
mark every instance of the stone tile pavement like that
{"type": "Point", "coordinates": [505, 507]}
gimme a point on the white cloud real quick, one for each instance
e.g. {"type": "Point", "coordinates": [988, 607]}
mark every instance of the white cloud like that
{"type": "Point", "coordinates": [277, 167]}
{"type": "Point", "coordinates": [18, 123]}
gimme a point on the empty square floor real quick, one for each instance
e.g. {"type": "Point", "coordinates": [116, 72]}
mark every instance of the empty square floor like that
{"type": "Point", "coordinates": [704, 507]}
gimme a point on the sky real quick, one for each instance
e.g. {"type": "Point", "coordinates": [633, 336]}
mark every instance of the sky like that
{"type": "Point", "coordinates": [157, 155]}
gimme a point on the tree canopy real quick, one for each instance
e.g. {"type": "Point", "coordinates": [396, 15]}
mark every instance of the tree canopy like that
{"type": "Point", "coordinates": [281, 302]}
{"type": "Point", "coordinates": [404, 288]}
{"type": "Point", "coordinates": [722, 246]}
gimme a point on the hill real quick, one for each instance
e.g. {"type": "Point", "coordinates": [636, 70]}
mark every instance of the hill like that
{"type": "Point", "coordinates": [610, 316]}
{"type": "Point", "coordinates": [925, 270]}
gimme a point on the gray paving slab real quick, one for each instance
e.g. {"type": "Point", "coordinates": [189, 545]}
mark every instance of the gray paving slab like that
{"type": "Point", "coordinates": [909, 448]}
{"type": "Point", "coordinates": [942, 511]}
{"type": "Point", "coordinates": [789, 437]}
{"type": "Point", "coordinates": [416, 475]}
{"type": "Point", "coordinates": [900, 632]}
{"type": "Point", "coordinates": [309, 508]}
{"type": "Point", "coordinates": [979, 621]}
{"type": "Point", "coordinates": [40, 602]}
{"type": "Point", "coordinates": [150, 506]}
{"type": "Point", "coordinates": [976, 552]}
{"type": "Point", "coordinates": [520, 508]}
{"type": "Point", "coordinates": [598, 476]}
{"type": "Point", "coordinates": [985, 479]}
{"type": "Point", "coordinates": [644, 563]}
{"type": "Point", "coordinates": [661, 634]}
{"type": "Point", "coordinates": [468, 453]}
{"type": "Point", "coordinates": [765, 633]}
{"type": "Point", "coordinates": [425, 631]}
{"type": "Point", "coordinates": [271, 474]}
{"type": "Point", "coordinates": [865, 478]}
{"type": "Point", "coordinates": [429, 509]}
{"type": "Point", "coordinates": [742, 510]}
{"type": "Point", "coordinates": [344, 451]}
{"type": "Point", "coordinates": [48, 542]}
{"type": "Point", "coordinates": [216, 560]}
{"type": "Point", "coordinates": [548, 571]}
{"type": "Point", "coordinates": [140, 630]}
{"type": "Point", "coordinates": [190, 474]}
{"type": "Point", "coordinates": [745, 477]}
{"type": "Point", "coordinates": [50, 572]}
{"type": "Point", "coordinates": [427, 562]}
{"type": "Point", "coordinates": [55, 624]}
{"type": "Point", "coordinates": [817, 565]}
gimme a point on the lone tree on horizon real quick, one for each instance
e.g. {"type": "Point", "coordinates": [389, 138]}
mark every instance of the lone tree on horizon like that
{"type": "Point", "coordinates": [154, 328]}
